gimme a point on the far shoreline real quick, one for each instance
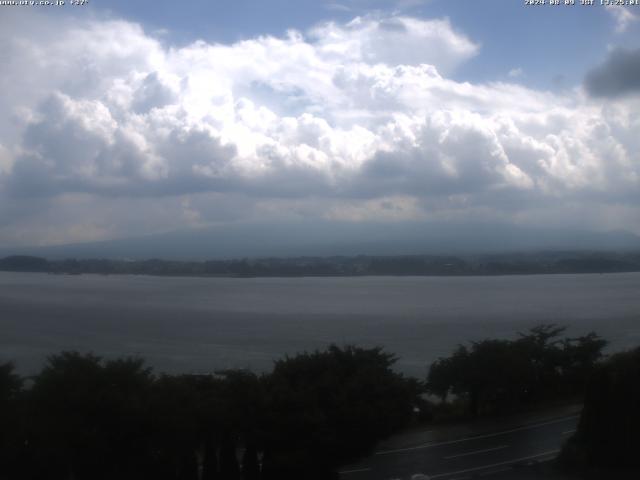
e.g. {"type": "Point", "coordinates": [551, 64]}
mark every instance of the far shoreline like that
{"type": "Point", "coordinates": [328, 276]}
{"type": "Point", "coordinates": [469, 265]}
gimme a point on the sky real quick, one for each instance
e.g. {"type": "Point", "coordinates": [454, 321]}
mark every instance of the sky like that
{"type": "Point", "coordinates": [121, 119]}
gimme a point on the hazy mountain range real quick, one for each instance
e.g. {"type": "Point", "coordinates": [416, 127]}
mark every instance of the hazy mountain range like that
{"type": "Point", "coordinates": [333, 238]}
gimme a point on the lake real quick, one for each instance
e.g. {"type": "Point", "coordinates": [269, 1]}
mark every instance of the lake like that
{"type": "Point", "coordinates": [204, 324]}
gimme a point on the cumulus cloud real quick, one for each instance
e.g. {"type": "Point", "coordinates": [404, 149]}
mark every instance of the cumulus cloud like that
{"type": "Point", "coordinates": [394, 41]}
{"type": "Point", "coordinates": [346, 121]}
{"type": "Point", "coordinates": [618, 75]}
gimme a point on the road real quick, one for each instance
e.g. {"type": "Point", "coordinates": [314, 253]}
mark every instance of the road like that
{"type": "Point", "coordinates": [469, 456]}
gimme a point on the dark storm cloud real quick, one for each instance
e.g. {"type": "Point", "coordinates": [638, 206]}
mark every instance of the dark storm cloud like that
{"type": "Point", "coordinates": [618, 75]}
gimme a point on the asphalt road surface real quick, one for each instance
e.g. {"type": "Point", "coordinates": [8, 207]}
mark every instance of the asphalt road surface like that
{"type": "Point", "coordinates": [466, 457]}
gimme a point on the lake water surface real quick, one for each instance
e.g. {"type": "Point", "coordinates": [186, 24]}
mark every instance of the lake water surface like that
{"type": "Point", "coordinates": [204, 324]}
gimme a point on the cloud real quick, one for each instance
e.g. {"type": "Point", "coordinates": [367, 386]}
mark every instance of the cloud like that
{"type": "Point", "coordinates": [152, 93]}
{"type": "Point", "coordinates": [623, 17]}
{"type": "Point", "coordinates": [349, 121]}
{"type": "Point", "coordinates": [396, 40]}
{"type": "Point", "coordinates": [515, 72]}
{"type": "Point", "coordinates": [618, 75]}
{"type": "Point", "coordinates": [6, 161]}
{"type": "Point", "coordinates": [340, 7]}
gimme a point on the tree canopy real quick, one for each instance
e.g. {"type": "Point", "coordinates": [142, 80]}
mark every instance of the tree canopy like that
{"type": "Point", "coordinates": [608, 434]}
{"type": "Point", "coordinates": [498, 375]}
{"type": "Point", "coordinates": [85, 417]}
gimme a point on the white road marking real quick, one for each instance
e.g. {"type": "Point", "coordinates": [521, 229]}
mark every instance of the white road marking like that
{"type": "Point", "coordinates": [569, 432]}
{"type": "Point", "coordinates": [477, 437]}
{"type": "Point", "coordinates": [476, 452]}
{"type": "Point", "coordinates": [493, 465]}
{"type": "Point", "coordinates": [346, 472]}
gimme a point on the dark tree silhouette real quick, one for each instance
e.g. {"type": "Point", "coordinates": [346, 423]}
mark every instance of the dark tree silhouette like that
{"type": "Point", "coordinates": [89, 419]}
{"type": "Point", "coordinates": [495, 376]}
{"type": "Point", "coordinates": [250, 463]}
{"type": "Point", "coordinates": [11, 433]}
{"type": "Point", "coordinates": [608, 433]}
{"type": "Point", "coordinates": [326, 407]}
{"type": "Point", "coordinates": [84, 417]}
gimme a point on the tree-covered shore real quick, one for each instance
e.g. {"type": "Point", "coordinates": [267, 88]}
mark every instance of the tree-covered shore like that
{"type": "Point", "coordinates": [83, 416]}
{"type": "Point", "coordinates": [499, 264]}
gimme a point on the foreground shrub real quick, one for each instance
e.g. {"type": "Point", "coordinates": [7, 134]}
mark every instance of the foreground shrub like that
{"type": "Point", "coordinates": [608, 434]}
